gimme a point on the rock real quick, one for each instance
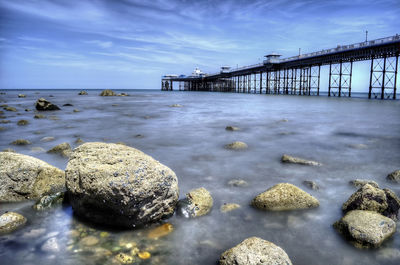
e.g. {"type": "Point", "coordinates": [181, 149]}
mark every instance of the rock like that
{"type": "Point", "coordinates": [300, 161]}
{"type": "Point", "coordinates": [238, 183]}
{"type": "Point", "coordinates": [144, 255]}
{"type": "Point", "coordinates": [107, 93]}
{"type": "Point", "coordinates": [67, 105]}
{"type": "Point", "coordinates": [358, 146]}
{"type": "Point", "coordinates": [21, 95]}
{"type": "Point", "coordinates": [255, 251]}
{"type": "Point", "coordinates": [358, 183]}
{"type": "Point", "coordinates": [176, 106]}
{"type": "Point", "coordinates": [122, 95]}
{"type": "Point", "coordinates": [227, 207]}
{"type": "Point", "coordinates": [11, 221]}
{"type": "Point", "coordinates": [54, 117]}
{"type": "Point", "coordinates": [89, 241]}
{"type": "Point", "coordinates": [8, 150]}
{"type": "Point", "coordinates": [198, 202]}
{"type": "Point", "coordinates": [284, 196]}
{"type": "Point", "coordinates": [79, 141]}
{"type": "Point", "coordinates": [28, 110]}
{"type": "Point", "coordinates": [8, 108]}
{"type": "Point", "coordinates": [37, 149]}
{"type": "Point", "coordinates": [51, 245]}
{"type": "Point", "coordinates": [47, 139]}
{"type": "Point", "coordinates": [236, 145]}
{"type": "Point", "coordinates": [311, 184]}
{"type": "Point", "coordinates": [366, 228]}
{"type": "Point", "coordinates": [34, 233]}
{"type": "Point", "coordinates": [394, 176]}
{"type": "Point", "coordinates": [76, 110]}
{"type": "Point", "coordinates": [232, 128]}
{"type": "Point", "coordinates": [119, 185]}
{"type": "Point", "coordinates": [370, 198]}
{"type": "Point", "coordinates": [124, 258]}
{"type": "Point", "coordinates": [63, 149]}
{"type": "Point", "coordinates": [160, 231]}
{"type": "Point", "coordinates": [5, 121]}
{"type": "Point", "coordinates": [389, 254]}
{"type": "Point", "coordinates": [22, 122]}
{"type": "Point", "coordinates": [49, 201]}
{"type": "Point", "coordinates": [20, 142]}
{"type": "Point", "coordinates": [82, 92]}
{"type": "Point", "coordinates": [44, 105]}
{"type": "Point", "coordinates": [24, 177]}
{"type": "Point", "coordinates": [39, 116]}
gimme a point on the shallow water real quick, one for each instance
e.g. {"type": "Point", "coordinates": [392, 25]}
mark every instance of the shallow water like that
{"type": "Point", "coordinates": [190, 140]}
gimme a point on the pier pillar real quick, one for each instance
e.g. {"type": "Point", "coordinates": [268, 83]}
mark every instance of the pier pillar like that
{"type": "Point", "coordinates": [261, 82]}
{"type": "Point", "coordinates": [383, 77]}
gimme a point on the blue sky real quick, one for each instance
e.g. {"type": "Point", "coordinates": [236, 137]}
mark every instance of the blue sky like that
{"type": "Point", "coordinates": [130, 44]}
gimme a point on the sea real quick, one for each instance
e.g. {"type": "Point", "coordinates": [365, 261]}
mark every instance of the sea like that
{"type": "Point", "coordinates": [353, 138]}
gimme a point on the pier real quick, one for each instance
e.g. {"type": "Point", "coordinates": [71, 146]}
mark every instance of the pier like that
{"type": "Point", "coordinates": [300, 75]}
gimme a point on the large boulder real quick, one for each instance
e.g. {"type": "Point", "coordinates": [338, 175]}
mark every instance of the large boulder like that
{"type": "Point", "coordinates": [366, 229]}
{"type": "Point", "coordinates": [370, 198]}
{"type": "Point", "coordinates": [255, 251]}
{"type": "Point", "coordinates": [24, 177]}
{"type": "Point", "coordinates": [11, 221]}
{"type": "Point", "coordinates": [198, 202]}
{"type": "Point", "coordinates": [118, 185]}
{"type": "Point", "coordinates": [394, 176]}
{"type": "Point", "coordinates": [107, 93]}
{"type": "Point", "coordinates": [300, 161]}
{"type": "Point", "coordinates": [284, 196]}
{"type": "Point", "coordinates": [44, 105]}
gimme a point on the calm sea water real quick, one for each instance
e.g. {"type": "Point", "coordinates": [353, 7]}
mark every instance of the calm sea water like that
{"type": "Point", "coordinates": [190, 140]}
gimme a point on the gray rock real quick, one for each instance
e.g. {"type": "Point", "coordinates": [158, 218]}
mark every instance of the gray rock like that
{"type": "Point", "coordinates": [394, 176]}
{"type": "Point", "coordinates": [11, 221]}
{"type": "Point", "coordinates": [24, 177]}
{"type": "Point", "coordinates": [236, 145]}
{"type": "Point", "coordinates": [49, 201]}
{"type": "Point", "coordinates": [311, 184]}
{"type": "Point", "coordinates": [198, 202]}
{"type": "Point", "coordinates": [284, 196]}
{"type": "Point", "coordinates": [118, 185]}
{"type": "Point", "coordinates": [255, 251]}
{"type": "Point", "coordinates": [45, 105]}
{"type": "Point", "coordinates": [361, 182]}
{"type": "Point", "coordinates": [107, 93]}
{"type": "Point", "coordinates": [63, 149]}
{"type": "Point", "coordinates": [300, 161]}
{"type": "Point", "coordinates": [366, 229]}
{"type": "Point", "coordinates": [370, 198]}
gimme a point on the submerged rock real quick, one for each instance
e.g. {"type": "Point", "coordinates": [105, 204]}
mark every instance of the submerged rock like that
{"type": "Point", "coordinates": [63, 149]}
{"type": "Point", "coordinates": [255, 251]}
{"type": "Point", "coordinates": [124, 258]}
{"type": "Point", "coordinates": [51, 245]}
{"type": "Point", "coordinates": [21, 95]}
{"type": "Point", "coordinates": [67, 105]}
{"type": "Point", "coordinates": [361, 182]}
{"type": "Point", "coordinates": [394, 176]}
{"type": "Point", "coordinates": [160, 231]}
{"type": "Point", "coordinates": [22, 122]}
{"type": "Point", "coordinates": [49, 201]}
{"type": "Point", "coordinates": [47, 139]}
{"type": "Point", "coordinates": [39, 116]}
{"type": "Point", "coordinates": [21, 142]}
{"type": "Point", "coordinates": [311, 184]}
{"type": "Point", "coordinates": [238, 183]}
{"type": "Point", "coordinates": [232, 128]}
{"type": "Point", "coordinates": [118, 185]}
{"type": "Point", "coordinates": [8, 108]}
{"type": "Point", "coordinates": [5, 121]}
{"type": "Point", "coordinates": [82, 92]}
{"type": "Point", "coordinates": [227, 207]}
{"type": "Point", "coordinates": [366, 228]}
{"type": "Point", "coordinates": [198, 202]}
{"type": "Point", "coordinates": [44, 105]}
{"type": "Point", "coordinates": [123, 95]}
{"type": "Point", "coordinates": [370, 198]}
{"type": "Point", "coordinates": [11, 221]}
{"type": "Point", "coordinates": [107, 93]}
{"type": "Point", "coordinates": [300, 161]}
{"type": "Point", "coordinates": [358, 146]}
{"type": "Point", "coordinates": [24, 177]}
{"type": "Point", "coordinates": [9, 150]}
{"type": "Point", "coordinates": [176, 106]}
{"type": "Point", "coordinates": [89, 241]}
{"type": "Point", "coordinates": [236, 145]}
{"type": "Point", "coordinates": [284, 196]}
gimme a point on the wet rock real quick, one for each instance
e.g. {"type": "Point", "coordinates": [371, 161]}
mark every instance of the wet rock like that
{"type": "Point", "coordinates": [232, 128]}
{"type": "Point", "coordinates": [358, 146]}
{"type": "Point", "coordinates": [107, 93]}
{"type": "Point", "coordinates": [8, 108]}
{"type": "Point", "coordinates": [284, 196]}
{"type": "Point", "coordinates": [11, 221]}
{"type": "Point", "coordinates": [198, 202]}
{"type": "Point", "coordinates": [21, 142]}
{"type": "Point", "coordinates": [311, 184]}
{"type": "Point", "coordinates": [22, 122]}
{"type": "Point", "coordinates": [227, 207]}
{"type": "Point", "coordinates": [21, 95]}
{"type": "Point", "coordinates": [238, 183]}
{"type": "Point", "coordinates": [63, 149]}
{"type": "Point", "coordinates": [394, 176]}
{"type": "Point", "coordinates": [49, 201]}
{"type": "Point", "coordinates": [76, 110]}
{"type": "Point", "coordinates": [39, 116]}
{"type": "Point", "coordinates": [370, 198]}
{"type": "Point", "coordinates": [51, 245]}
{"type": "Point", "coordinates": [37, 149]}
{"type": "Point", "coordinates": [67, 105]}
{"type": "Point", "coordinates": [28, 110]}
{"type": "Point", "coordinates": [79, 141]}
{"type": "Point", "coordinates": [255, 251]}
{"type": "Point", "coordinates": [24, 177]}
{"type": "Point", "coordinates": [89, 241]}
{"type": "Point", "coordinates": [8, 150]}
{"type": "Point", "coordinates": [44, 105]}
{"type": "Point", "coordinates": [358, 183]}
{"type": "Point", "coordinates": [236, 146]}
{"type": "Point", "coordinates": [176, 106]}
{"type": "Point", "coordinates": [160, 231]}
{"type": "Point", "coordinates": [83, 92]}
{"type": "Point", "coordinates": [47, 139]}
{"type": "Point", "coordinates": [122, 95]}
{"type": "Point", "coordinates": [5, 121]}
{"type": "Point", "coordinates": [300, 161]}
{"type": "Point", "coordinates": [366, 229]}
{"type": "Point", "coordinates": [119, 185]}
{"type": "Point", "coordinates": [124, 258]}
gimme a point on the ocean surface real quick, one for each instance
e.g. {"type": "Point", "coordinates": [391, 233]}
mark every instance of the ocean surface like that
{"type": "Point", "coordinates": [352, 137]}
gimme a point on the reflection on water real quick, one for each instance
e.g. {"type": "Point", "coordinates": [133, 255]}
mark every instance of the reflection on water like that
{"type": "Point", "coordinates": [352, 138]}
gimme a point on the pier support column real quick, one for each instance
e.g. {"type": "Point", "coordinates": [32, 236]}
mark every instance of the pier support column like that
{"type": "Point", "coordinates": [314, 80]}
{"type": "Point", "coordinates": [383, 77]}
{"type": "Point", "coordinates": [261, 82]}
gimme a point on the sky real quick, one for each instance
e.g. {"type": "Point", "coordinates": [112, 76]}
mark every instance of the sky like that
{"type": "Point", "coordinates": [121, 44]}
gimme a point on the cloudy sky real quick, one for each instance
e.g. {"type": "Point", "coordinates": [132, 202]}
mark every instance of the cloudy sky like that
{"type": "Point", "coordinates": [132, 43]}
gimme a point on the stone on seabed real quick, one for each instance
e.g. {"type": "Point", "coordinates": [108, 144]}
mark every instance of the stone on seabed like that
{"type": "Point", "coordinates": [300, 161]}
{"type": "Point", "coordinates": [45, 105]}
{"type": "Point", "coordinates": [236, 145]}
{"type": "Point", "coordinates": [394, 176]}
{"type": "Point", "coordinates": [198, 202]}
{"type": "Point", "coordinates": [107, 93]}
{"type": "Point", "coordinates": [11, 221]}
